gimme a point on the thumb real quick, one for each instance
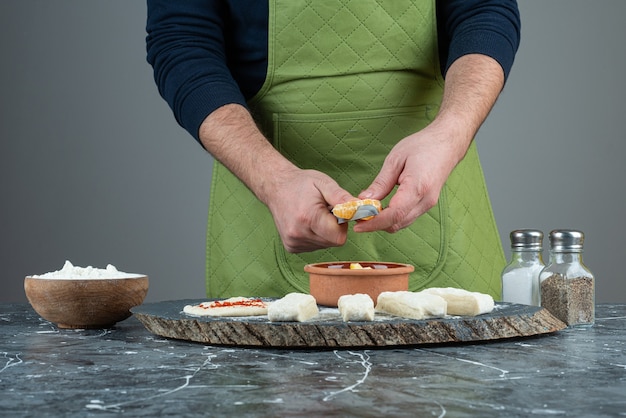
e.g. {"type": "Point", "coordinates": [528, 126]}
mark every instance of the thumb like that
{"type": "Point", "coordinates": [332, 193]}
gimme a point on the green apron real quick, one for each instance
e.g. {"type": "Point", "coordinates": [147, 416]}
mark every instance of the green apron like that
{"type": "Point", "coordinates": [347, 80]}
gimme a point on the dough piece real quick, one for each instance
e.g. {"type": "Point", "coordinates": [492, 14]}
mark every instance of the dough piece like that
{"type": "Point", "coordinates": [236, 306]}
{"type": "Point", "coordinates": [292, 307]}
{"type": "Point", "coordinates": [357, 307]}
{"type": "Point", "coordinates": [414, 305]}
{"type": "Point", "coordinates": [463, 302]}
{"type": "Point", "coordinates": [347, 209]}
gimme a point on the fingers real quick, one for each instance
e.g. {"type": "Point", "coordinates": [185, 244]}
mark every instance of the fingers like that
{"type": "Point", "coordinates": [392, 219]}
{"type": "Point", "coordinates": [386, 179]}
{"type": "Point", "coordinates": [332, 193]}
{"type": "Point", "coordinates": [310, 225]}
{"type": "Point", "coordinates": [404, 208]}
{"type": "Point", "coordinates": [314, 231]}
{"type": "Point", "coordinates": [419, 165]}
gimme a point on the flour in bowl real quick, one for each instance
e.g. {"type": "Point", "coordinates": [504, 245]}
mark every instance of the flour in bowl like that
{"type": "Point", "coordinates": [69, 271]}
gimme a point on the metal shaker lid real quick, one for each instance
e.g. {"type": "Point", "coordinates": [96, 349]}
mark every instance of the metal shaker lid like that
{"type": "Point", "coordinates": [526, 240]}
{"type": "Point", "coordinates": [566, 240]}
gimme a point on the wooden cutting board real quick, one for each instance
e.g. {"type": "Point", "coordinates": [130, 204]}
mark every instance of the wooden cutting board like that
{"type": "Point", "coordinates": [328, 330]}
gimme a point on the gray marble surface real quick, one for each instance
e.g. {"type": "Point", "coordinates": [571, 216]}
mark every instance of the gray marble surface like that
{"type": "Point", "coordinates": [127, 371]}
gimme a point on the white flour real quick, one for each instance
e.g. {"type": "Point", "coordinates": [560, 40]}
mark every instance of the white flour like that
{"type": "Point", "coordinates": [69, 271]}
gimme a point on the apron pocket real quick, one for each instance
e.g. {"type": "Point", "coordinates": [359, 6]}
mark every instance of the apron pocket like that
{"type": "Point", "coordinates": [350, 147]}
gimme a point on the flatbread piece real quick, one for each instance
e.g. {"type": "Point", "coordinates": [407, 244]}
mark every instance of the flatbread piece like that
{"type": "Point", "coordinates": [236, 306]}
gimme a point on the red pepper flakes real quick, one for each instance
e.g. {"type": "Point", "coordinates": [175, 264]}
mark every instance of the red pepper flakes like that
{"type": "Point", "coordinates": [227, 303]}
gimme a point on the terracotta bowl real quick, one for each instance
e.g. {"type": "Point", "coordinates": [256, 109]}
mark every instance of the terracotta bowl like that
{"type": "Point", "coordinates": [85, 303]}
{"type": "Point", "coordinates": [329, 281]}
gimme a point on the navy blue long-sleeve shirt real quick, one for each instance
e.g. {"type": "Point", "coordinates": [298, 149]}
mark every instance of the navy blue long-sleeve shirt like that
{"type": "Point", "coordinates": [208, 53]}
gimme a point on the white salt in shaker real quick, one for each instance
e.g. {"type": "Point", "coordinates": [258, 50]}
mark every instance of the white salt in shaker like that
{"type": "Point", "coordinates": [520, 278]}
{"type": "Point", "coordinates": [567, 286]}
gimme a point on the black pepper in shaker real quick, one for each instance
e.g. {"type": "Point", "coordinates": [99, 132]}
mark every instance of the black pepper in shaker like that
{"type": "Point", "coordinates": [567, 286]}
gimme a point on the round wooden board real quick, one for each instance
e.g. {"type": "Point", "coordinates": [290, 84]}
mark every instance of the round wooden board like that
{"type": "Point", "coordinates": [328, 330]}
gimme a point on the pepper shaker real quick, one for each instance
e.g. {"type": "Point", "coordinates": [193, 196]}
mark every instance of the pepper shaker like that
{"type": "Point", "coordinates": [520, 278]}
{"type": "Point", "coordinates": [567, 286]}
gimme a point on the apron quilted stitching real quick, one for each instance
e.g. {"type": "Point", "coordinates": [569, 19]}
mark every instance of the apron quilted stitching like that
{"type": "Point", "coordinates": [314, 94]}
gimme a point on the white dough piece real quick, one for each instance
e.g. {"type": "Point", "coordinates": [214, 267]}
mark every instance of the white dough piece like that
{"type": "Point", "coordinates": [292, 307]}
{"type": "Point", "coordinates": [463, 302]}
{"type": "Point", "coordinates": [414, 305]}
{"type": "Point", "coordinates": [357, 307]}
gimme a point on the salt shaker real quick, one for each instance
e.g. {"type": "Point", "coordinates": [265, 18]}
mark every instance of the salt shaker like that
{"type": "Point", "coordinates": [520, 278]}
{"type": "Point", "coordinates": [567, 286]}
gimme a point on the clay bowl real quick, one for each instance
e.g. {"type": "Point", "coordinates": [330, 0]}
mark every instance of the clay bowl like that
{"type": "Point", "coordinates": [329, 281]}
{"type": "Point", "coordinates": [85, 303]}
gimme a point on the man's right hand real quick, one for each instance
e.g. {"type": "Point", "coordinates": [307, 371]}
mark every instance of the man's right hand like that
{"type": "Point", "coordinates": [299, 200]}
{"type": "Point", "coordinates": [301, 209]}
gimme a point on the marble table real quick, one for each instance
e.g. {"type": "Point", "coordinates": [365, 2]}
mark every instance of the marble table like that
{"type": "Point", "coordinates": [128, 371]}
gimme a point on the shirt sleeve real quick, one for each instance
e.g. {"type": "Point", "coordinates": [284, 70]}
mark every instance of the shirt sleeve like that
{"type": "Point", "coordinates": [488, 27]}
{"type": "Point", "coordinates": [206, 54]}
{"type": "Point", "coordinates": [186, 49]}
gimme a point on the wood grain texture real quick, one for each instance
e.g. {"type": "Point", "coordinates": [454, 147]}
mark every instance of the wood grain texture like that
{"type": "Point", "coordinates": [85, 303]}
{"type": "Point", "coordinates": [329, 331]}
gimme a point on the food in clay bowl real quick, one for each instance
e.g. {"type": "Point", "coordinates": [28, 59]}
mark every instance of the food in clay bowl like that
{"type": "Point", "coordinates": [85, 297]}
{"type": "Point", "coordinates": [331, 280]}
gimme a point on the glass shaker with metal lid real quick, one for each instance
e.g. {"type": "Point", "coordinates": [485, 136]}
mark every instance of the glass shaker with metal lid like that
{"type": "Point", "coordinates": [520, 278]}
{"type": "Point", "coordinates": [567, 286]}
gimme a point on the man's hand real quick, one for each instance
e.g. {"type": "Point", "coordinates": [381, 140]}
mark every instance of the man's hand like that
{"type": "Point", "coordinates": [299, 200]}
{"type": "Point", "coordinates": [421, 163]}
{"type": "Point", "coordinates": [300, 207]}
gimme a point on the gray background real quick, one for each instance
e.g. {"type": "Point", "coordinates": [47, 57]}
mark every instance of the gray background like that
{"type": "Point", "coordinates": [94, 169]}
